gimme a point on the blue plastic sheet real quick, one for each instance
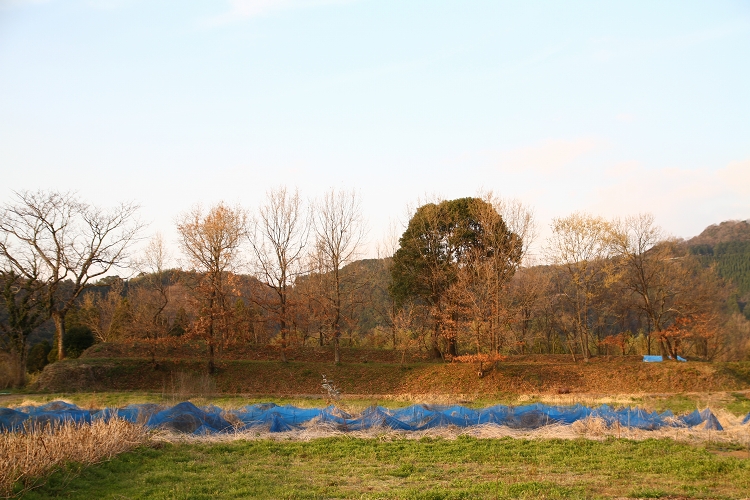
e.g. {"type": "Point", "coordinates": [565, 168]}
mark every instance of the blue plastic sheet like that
{"type": "Point", "coordinates": [188, 418]}
{"type": "Point", "coordinates": [652, 359]}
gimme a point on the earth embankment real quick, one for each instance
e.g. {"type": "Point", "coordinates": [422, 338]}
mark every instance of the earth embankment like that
{"type": "Point", "coordinates": [379, 372]}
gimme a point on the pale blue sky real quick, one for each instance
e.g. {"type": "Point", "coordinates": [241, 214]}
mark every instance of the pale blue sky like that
{"type": "Point", "coordinates": [609, 107]}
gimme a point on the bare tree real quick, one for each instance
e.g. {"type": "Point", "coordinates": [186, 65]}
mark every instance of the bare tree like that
{"type": "Point", "coordinates": [669, 285]}
{"type": "Point", "coordinates": [493, 271]}
{"type": "Point", "coordinates": [635, 244]}
{"type": "Point", "coordinates": [278, 239]}
{"type": "Point", "coordinates": [55, 237]}
{"type": "Point", "coordinates": [388, 312]}
{"type": "Point", "coordinates": [311, 292]}
{"type": "Point", "coordinates": [103, 314]}
{"type": "Point", "coordinates": [211, 242]}
{"type": "Point", "coordinates": [580, 246]}
{"type": "Point", "coordinates": [340, 232]}
{"type": "Point", "coordinates": [150, 295]}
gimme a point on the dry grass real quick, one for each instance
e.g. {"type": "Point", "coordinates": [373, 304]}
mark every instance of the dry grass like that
{"type": "Point", "coordinates": [27, 457]}
{"type": "Point", "coordinates": [182, 385]}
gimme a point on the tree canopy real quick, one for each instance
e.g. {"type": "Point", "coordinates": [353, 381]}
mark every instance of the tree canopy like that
{"type": "Point", "coordinates": [447, 238]}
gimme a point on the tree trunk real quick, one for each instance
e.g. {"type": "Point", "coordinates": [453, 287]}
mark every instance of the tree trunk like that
{"type": "Point", "coordinates": [58, 318]}
{"type": "Point", "coordinates": [283, 336]}
{"type": "Point", "coordinates": [336, 351]}
{"type": "Point", "coordinates": [211, 365]}
{"type": "Point", "coordinates": [585, 345]}
{"type": "Point", "coordinates": [571, 346]}
{"type": "Point", "coordinates": [452, 346]}
{"type": "Point", "coordinates": [337, 316]}
{"type": "Point", "coordinates": [435, 349]}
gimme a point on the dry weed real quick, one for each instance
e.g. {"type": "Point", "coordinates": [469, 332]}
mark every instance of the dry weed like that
{"type": "Point", "coordinates": [183, 385]}
{"type": "Point", "coordinates": [31, 455]}
{"type": "Point", "coordinates": [590, 427]}
{"type": "Point", "coordinates": [429, 398]}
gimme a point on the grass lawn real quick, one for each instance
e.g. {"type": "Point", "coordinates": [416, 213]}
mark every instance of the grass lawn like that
{"type": "Point", "coordinates": [343, 467]}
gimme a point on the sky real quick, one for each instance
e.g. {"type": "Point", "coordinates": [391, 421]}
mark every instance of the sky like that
{"type": "Point", "coordinates": [610, 108]}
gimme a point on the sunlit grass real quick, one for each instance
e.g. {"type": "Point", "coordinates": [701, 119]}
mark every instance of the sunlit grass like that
{"type": "Point", "coordinates": [429, 468]}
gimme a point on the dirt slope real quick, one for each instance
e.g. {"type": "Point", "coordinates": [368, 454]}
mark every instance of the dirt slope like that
{"type": "Point", "coordinates": [524, 375]}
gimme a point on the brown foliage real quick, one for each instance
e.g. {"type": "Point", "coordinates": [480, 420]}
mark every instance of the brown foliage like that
{"type": "Point", "coordinates": [212, 242]}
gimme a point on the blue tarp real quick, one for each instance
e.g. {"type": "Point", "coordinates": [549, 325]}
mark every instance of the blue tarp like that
{"type": "Point", "coordinates": [659, 359]}
{"type": "Point", "coordinates": [188, 418]}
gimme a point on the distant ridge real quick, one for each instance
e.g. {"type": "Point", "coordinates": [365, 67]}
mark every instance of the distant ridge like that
{"type": "Point", "coordinates": [731, 230]}
{"type": "Point", "coordinates": [727, 247]}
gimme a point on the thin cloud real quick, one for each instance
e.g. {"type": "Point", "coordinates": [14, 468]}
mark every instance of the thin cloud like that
{"type": "Point", "coordinates": [7, 4]}
{"type": "Point", "coordinates": [625, 117]}
{"type": "Point", "coordinates": [240, 10]}
{"type": "Point", "coordinates": [672, 193]}
{"type": "Point", "coordinates": [548, 156]}
{"type": "Point", "coordinates": [736, 177]}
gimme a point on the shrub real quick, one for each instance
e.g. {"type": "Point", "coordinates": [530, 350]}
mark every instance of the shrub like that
{"type": "Point", "coordinates": [37, 357]}
{"type": "Point", "coordinates": [6, 371]}
{"type": "Point", "coordinates": [76, 340]}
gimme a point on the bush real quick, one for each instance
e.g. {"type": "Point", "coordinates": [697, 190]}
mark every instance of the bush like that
{"type": "Point", "coordinates": [76, 340]}
{"type": "Point", "coordinates": [6, 371]}
{"type": "Point", "coordinates": [37, 357]}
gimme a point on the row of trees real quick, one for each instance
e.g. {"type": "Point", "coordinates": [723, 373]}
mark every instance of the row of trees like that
{"type": "Point", "coordinates": [458, 282]}
{"type": "Point", "coordinates": [617, 277]}
{"type": "Point", "coordinates": [280, 236]}
{"type": "Point", "coordinates": [602, 284]}
{"type": "Point", "coordinates": [54, 245]}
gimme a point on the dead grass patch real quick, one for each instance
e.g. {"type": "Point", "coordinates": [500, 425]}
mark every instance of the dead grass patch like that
{"type": "Point", "coordinates": [30, 456]}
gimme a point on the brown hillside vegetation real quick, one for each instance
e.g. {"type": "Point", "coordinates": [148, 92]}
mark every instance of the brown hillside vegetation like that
{"type": "Point", "coordinates": [363, 373]}
{"type": "Point", "coordinates": [247, 352]}
{"type": "Point", "coordinates": [731, 230]}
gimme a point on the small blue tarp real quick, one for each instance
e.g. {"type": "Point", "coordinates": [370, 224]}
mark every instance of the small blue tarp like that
{"type": "Point", "coordinates": [659, 359]}
{"type": "Point", "coordinates": [188, 418]}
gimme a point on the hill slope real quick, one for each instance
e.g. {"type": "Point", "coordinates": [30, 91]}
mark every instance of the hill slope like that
{"type": "Point", "coordinates": [727, 246]}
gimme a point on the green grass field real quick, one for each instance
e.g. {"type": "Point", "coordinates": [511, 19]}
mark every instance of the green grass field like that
{"type": "Point", "coordinates": [343, 467]}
